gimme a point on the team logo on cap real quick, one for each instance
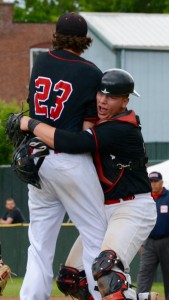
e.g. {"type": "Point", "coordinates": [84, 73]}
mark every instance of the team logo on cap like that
{"type": "Point", "coordinates": [105, 91]}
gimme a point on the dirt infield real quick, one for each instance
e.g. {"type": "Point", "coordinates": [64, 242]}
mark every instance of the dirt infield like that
{"type": "Point", "coordinates": [52, 298]}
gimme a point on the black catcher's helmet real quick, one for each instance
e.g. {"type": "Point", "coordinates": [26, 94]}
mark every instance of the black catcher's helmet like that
{"type": "Point", "coordinates": [117, 82]}
{"type": "Point", "coordinates": [23, 160]}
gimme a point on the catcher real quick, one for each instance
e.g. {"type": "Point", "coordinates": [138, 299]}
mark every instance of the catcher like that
{"type": "Point", "coordinates": [5, 274]}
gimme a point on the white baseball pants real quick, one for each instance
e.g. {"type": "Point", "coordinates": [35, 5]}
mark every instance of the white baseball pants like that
{"type": "Point", "coordinates": [69, 183]}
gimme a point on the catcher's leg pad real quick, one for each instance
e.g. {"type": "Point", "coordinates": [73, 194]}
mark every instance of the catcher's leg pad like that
{"type": "Point", "coordinates": [73, 282]}
{"type": "Point", "coordinates": [112, 285]}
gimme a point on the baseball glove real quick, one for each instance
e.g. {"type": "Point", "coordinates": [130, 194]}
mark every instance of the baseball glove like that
{"type": "Point", "coordinates": [5, 274]}
{"type": "Point", "coordinates": [13, 131]}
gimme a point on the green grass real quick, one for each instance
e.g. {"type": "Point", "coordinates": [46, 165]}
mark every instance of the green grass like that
{"type": "Point", "coordinates": [157, 287]}
{"type": "Point", "coordinates": [13, 288]}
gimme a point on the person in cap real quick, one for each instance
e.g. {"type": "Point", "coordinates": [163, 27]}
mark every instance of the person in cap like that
{"type": "Point", "coordinates": [120, 159]}
{"type": "Point", "coordinates": [62, 93]}
{"type": "Point", "coordinates": [155, 250]}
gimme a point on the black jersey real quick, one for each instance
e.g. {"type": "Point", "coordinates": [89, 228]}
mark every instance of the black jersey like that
{"type": "Point", "coordinates": [62, 91]}
{"type": "Point", "coordinates": [119, 154]}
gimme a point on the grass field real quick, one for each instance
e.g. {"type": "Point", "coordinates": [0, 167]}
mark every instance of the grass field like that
{"type": "Point", "coordinates": [13, 287]}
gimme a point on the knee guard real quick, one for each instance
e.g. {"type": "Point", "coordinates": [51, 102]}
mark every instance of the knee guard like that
{"type": "Point", "coordinates": [104, 263]}
{"type": "Point", "coordinates": [111, 284]}
{"type": "Point", "coordinates": [73, 282]}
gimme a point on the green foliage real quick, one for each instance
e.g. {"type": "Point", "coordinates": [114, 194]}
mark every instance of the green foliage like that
{"type": "Point", "coordinates": [43, 10]}
{"type": "Point", "coordinates": [132, 6]}
{"type": "Point", "coordinates": [6, 149]}
{"type": "Point", "coordinates": [49, 10]}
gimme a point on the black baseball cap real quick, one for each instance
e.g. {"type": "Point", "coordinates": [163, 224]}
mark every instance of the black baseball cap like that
{"type": "Point", "coordinates": [155, 176]}
{"type": "Point", "coordinates": [72, 24]}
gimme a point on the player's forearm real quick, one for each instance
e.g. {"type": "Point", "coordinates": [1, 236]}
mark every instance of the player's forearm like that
{"type": "Point", "coordinates": [46, 134]}
{"type": "Point", "coordinates": [8, 221]}
{"type": "Point", "coordinates": [41, 130]}
{"type": "Point", "coordinates": [61, 140]}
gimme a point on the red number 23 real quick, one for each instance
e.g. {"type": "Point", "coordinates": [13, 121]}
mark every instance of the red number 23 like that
{"type": "Point", "coordinates": [41, 97]}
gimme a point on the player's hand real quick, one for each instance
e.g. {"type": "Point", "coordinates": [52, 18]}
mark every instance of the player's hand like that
{"type": "Point", "coordinates": [24, 123]}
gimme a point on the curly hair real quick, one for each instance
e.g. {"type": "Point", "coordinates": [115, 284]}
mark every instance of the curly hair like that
{"type": "Point", "coordinates": [75, 43]}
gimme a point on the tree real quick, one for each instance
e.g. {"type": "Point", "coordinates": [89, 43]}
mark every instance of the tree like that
{"type": "Point", "coordinates": [49, 10]}
{"type": "Point", "coordinates": [42, 10]}
{"type": "Point", "coordinates": [6, 148]}
{"type": "Point", "coordinates": [132, 6]}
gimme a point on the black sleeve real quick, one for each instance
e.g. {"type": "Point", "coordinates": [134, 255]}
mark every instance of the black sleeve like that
{"type": "Point", "coordinates": [74, 142]}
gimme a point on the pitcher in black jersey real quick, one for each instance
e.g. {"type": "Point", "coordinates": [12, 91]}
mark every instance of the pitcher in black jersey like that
{"type": "Point", "coordinates": [62, 93]}
{"type": "Point", "coordinates": [120, 159]}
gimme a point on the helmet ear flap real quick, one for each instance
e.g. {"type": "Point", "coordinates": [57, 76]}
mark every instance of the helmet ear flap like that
{"type": "Point", "coordinates": [23, 161]}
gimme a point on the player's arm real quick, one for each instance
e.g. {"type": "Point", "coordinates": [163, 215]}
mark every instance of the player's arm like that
{"type": "Point", "coordinates": [9, 220]}
{"type": "Point", "coordinates": [87, 124]}
{"type": "Point", "coordinates": [61, 140]}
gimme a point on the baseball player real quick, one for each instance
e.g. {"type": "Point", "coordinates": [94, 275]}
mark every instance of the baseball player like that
{"type": "Point", "coordinates": [62, 93]}
{"type": "Point", "coordinates": [120, 161]}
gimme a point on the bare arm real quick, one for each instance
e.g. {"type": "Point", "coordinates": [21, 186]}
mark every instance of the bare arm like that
{"type": "Point", "coordinates": [87, 124]}
{"type": "Point", "coordinates": [8, 221]}
{"type": "Point", "coordinates": [42, 130]}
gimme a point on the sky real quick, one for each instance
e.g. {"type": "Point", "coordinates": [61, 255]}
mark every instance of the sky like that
{"type": "Point", "coordinates": [20, 2]}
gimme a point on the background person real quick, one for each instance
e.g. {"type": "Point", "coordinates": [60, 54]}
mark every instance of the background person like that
{"type": "Point", "coordinates": [13, 214]}
{"type": "Point", "coordinates": [155, 250]}
{"type": "Point", "coordinates": [120, 161]}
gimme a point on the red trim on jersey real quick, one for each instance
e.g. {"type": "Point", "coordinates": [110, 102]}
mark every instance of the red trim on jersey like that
{"type": "Point", "coordinates": [95, 137]}
{"type": "Point", "coordinates": [71, 60]}
{"type": "Point", "coordinates": [129, 118]}
{"type": "Point", "coordinates": [93, 120]}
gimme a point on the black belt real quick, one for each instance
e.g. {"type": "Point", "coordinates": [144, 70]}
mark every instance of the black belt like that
{"type": "Point", "coordinates": [159, 237]}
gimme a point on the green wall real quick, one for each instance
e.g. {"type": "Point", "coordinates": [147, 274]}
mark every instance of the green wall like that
{"type": "Point", "coordinates": [14, 244]}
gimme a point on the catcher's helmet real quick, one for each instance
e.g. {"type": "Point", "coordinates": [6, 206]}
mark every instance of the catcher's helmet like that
{"type": "Point", "coordinates": [23, 160]}
{"type": "Point", "coordinates": [117, 82]}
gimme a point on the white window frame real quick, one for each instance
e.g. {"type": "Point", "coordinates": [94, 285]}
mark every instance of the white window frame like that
{"type": "Point", "coordinates": [32, 52]}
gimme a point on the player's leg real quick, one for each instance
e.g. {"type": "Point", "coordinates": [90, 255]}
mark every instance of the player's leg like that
{"type": "Point", "coordinates": [163, 254]}
{"type": "Point", "coordinates": [71, 278]}
{"type": "Point", "coordinates": [148, 265]}
{"type": "Point", "coordinates": [130, 223]}
{"type": "Point", "coordinates": [86, 198]}
{"type": "Point", "coordinates": [74, 258]}
{"type": "Point", "coordinates": [46, 215]}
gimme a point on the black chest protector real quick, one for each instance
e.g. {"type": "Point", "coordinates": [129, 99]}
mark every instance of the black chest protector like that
{"type": "Point", "coordinates": [111, 167]}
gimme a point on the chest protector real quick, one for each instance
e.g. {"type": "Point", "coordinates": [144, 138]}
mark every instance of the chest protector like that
{"type": "Point", "coordinates": [114, 166]}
